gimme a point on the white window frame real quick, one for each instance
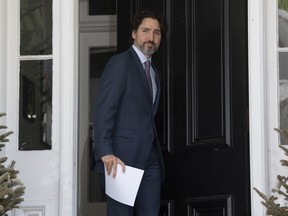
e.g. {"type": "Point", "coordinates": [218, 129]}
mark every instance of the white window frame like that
{"type": "Point", "coordinates": [263, 99]}
{"type": "Point", "coordinates": [275, 154]}
{"type": "Point", "coordinates": [65, 69]}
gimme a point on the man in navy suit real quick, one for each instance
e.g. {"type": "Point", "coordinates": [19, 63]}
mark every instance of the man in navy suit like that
{"type": "Point", "coordinates": [124, 127]}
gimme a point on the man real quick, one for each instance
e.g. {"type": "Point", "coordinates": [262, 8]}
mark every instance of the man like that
{"type": "Point", "coordinates": [124, 128]}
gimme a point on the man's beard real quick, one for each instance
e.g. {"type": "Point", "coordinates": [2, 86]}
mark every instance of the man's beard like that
{"type": "Point", "coordinates": [147, 50]}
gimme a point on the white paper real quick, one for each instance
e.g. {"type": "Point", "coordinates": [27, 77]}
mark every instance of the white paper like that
{"type": "Point", "coordinates": [124, 186]}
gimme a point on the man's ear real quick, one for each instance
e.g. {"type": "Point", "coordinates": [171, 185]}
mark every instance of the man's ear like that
{"type": "Point", "coordinates": [133, 34]}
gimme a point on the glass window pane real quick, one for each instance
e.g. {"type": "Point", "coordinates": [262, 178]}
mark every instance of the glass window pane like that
{"type": "Point", "coordinates": [283, 82]}
{"type": "Point", "coordinates": [35, 111]}
{"type": "Point", "coordinates": [102, 7]}
{"type": "Point", "coordinates": [283, 22]}
{"type": "Point", "coordinates": [36, 27]}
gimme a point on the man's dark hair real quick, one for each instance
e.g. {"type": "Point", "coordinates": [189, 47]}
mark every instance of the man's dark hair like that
{"type": "Point", "coordinates": [137, 20]}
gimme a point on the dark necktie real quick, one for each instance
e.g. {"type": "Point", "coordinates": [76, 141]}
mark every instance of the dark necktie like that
{"type": "Point", "coordinates": [147, 72]}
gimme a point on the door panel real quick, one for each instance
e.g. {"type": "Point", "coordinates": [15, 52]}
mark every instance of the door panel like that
{"type": "Point", "coordinates": [202, 120]}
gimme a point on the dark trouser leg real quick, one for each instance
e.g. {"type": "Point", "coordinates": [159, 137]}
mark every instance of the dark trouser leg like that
{"type": "Point", "coordinates": [148, 197]}
{"type": "Point", "coordinates": [115, 208]}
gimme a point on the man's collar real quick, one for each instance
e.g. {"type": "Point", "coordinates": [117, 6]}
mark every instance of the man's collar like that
{"type": "Point", "coordinates": [141, 56]}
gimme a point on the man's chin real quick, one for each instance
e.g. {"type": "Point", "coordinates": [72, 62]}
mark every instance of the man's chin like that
{"type": "Point", "coordinates": [149, 47]}
{"type": "Point", "coordinates": [149, 52]}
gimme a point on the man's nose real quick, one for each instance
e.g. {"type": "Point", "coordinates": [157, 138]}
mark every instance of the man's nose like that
{"type": "Point", "coordinates": [151, 36]}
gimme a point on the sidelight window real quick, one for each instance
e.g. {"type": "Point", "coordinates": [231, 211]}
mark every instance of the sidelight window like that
{"type": "Point", "coordinates": [36, 73]}
{"type": "Point", "coordinates": [283, 61]}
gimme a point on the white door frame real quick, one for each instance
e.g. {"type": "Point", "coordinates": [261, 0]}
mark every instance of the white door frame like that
{"type": "Point", "coordinates": [69, 106]}
{"type": "Point", "coordinates": [257, 103]}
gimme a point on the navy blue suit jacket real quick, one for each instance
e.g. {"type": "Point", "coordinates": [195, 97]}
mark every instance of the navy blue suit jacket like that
{"type": "Point", "coordinates": [124, 112]}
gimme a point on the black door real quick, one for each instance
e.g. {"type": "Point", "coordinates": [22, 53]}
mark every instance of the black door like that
{"type": "Point", "coordinates": [203, 118]}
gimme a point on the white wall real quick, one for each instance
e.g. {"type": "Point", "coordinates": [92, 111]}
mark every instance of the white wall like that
{"type": "Point", "coordinates": [2, 54]}
{"type": "Point", "coordinates": [49, 176]}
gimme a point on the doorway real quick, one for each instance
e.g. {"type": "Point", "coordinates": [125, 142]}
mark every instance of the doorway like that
{"type": "Point", "coordinates": [204, 111]}
{"type": "Point", "coordinates": [203, 122]}
{"type": "Point", "coordinates": [97, 42]}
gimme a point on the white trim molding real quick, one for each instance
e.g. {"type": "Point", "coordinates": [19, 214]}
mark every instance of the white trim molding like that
{"type": "Point", "coordinates": [103, 23]}
{"type": "Point", "coordinates": [257, 103]}
{"type": "Point", "coordinates": [2, 55]}
{"type": "Point", "coordinates": [34, 208]}
{"type": "Point", "coordinates": [68, 106]}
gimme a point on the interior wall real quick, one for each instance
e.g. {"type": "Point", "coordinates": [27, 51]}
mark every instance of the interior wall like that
{"type": "Point", "coordinates": [97, 34]}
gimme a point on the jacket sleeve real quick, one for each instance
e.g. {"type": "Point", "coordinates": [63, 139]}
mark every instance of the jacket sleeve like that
{"type": "Point", "coordinates": [111, 88]}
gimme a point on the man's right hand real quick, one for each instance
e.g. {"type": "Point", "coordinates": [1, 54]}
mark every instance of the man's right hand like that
{"type": "Point", "coordinates": [110, 163]}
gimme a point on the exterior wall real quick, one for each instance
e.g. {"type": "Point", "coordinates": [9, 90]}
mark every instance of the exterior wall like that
{"type": "Point", "coordinates": [49, 176]}
{"type": "Point", "coordinates": [2, 54]}
{"type": "Point", "coordinates": [263, 113]}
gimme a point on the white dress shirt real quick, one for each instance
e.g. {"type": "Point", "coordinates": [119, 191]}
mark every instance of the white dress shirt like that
{"type": "Point", "coordinates": [143, 59]}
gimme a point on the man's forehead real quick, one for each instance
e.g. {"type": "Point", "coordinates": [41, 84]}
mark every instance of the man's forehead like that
{"type": "Point", "coordinates": [149, 23]}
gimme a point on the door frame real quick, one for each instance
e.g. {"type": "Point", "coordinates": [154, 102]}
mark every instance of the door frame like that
{"type": "Point", "coordinates": [69, 45]}
{"type": "Point", "coordinates": [88, 40]}
{"type": "Point", "coordinates": [69, 100]}
{"type": "Point", "coordinates": [257, 103]}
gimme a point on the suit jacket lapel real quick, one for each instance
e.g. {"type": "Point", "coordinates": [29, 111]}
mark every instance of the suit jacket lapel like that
{"type": "Point", "coordinates": [141, 71]}
{"type": "Point", "coordinates": [157, 98]}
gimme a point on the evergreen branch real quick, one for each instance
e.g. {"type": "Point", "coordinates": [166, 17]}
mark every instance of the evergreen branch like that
{"type": "Point", "coordinates": [12, 165]}
{"type": "Point", "coordinates": [283, 132]}
{"type": "Point", "coordinates": [281, 188]}
{"type": "Point", "coordinates": [9, 170]}
{"type": "Point", "coordinates": [2, 114]}
{"type": "Point", "coordinates": [284, 163]}
{"type": "Point", "coordinates": [4, 177]}
{"type": "Point", "coordinates": [6, 192]}
{"type": "Point", "coordinates": [11, 188]}
{"type": "Point", "coordinates": [4, 135]}
{"type": "Point", "coordinates": [1, 146]}
{"type": "Point", "coordinates": [15, 182]}
{"type": "Point", "coordinates": [3, 159]}
{"type": "Point", "coordinates": [19, 191]}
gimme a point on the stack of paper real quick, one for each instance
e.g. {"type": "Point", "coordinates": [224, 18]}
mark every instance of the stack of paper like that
{"type": "Point", "coordinates": [124, 186]}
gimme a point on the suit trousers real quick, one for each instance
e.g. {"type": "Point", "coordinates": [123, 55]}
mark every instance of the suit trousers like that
{"type": "Point", "coordinates": [147, 202]}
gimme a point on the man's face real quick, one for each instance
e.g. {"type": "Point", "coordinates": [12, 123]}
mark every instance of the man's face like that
{"type": "Point", "coordinates": [148, 36]}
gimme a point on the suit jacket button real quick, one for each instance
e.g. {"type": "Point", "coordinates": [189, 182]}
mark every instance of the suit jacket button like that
{"type": "Point", "coordinates": [151, 136]}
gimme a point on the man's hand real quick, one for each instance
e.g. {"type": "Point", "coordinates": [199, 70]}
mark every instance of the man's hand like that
{"type": "Point", "coordinates": [110, 163]}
